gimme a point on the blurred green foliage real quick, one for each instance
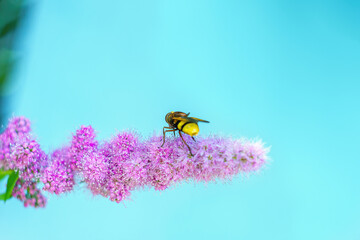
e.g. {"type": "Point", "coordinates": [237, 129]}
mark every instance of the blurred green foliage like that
{"type": "Point", "coordinates": [11, 15]}
{"type": "Point", "coordinates": [11, 181]}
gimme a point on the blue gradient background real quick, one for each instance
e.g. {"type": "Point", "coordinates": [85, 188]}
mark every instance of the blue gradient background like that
{"type": "Point", "coordinates": [284, 71]}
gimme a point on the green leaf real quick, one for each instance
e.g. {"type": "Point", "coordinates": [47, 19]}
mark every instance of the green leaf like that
{"type": "Point", "coordinates": [2, 196]}
{"type": "Point", "coordinates": [5, 173]}
{"type": "Point", "coordinates": [10, 185]}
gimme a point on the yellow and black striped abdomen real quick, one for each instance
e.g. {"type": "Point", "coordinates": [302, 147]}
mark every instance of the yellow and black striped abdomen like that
{"type": "Point", "coordinates": [189, 128]}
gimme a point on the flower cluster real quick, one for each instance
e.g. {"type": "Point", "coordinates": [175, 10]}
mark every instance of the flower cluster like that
{"type": "Point", "coordinates": [17, 128]}
{"type": "Point", "coordinates": [27, 192]}
{"type": "Point", "coordinates": [124, 163]}
{"type": "Point", "coordinates": [126, 170]}
{"type": "Point", "coordinates": [58, 176]}
{"type": "Point", "coordinates": [20, 152]}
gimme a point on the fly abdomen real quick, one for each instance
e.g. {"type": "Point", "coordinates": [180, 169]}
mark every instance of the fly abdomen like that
{"type": "Point", "coordinates": [189, 128]}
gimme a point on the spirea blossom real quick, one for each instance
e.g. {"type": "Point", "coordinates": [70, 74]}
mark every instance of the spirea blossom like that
{"type": "Point", "coordinates": [28, 193]}
{"type": "Point", "coordinates": [19, 151]}
{"type": "Point", "coordinates": [17, 128]}
{"type": "Point", "coordinates": [90, 163]}
{"type": "Point", "coordinates": [58, 177]}
{"type": "Point", "coordinates": [125, 163]}
{"type": "Point", "coordinates": [125, 167]}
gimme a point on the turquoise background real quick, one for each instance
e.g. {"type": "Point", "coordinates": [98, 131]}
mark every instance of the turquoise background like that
{"type": "Point", "coordinates": [284, 71]}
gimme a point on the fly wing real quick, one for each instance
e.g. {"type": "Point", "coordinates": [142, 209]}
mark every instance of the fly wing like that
{"type": "Point", "coordinates": [200, 120]}
{"type": "Point", "coordinates": [190, 119]}
{"type": "Point", "coordinates": [183, 118]}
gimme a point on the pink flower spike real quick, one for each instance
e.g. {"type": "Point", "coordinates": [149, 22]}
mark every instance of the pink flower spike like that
{"type": "Point", "coordinates": [123, 164]}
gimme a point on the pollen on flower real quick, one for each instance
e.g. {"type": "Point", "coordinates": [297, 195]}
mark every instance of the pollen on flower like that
{"type": "Point", "coordinates": [125, 163]}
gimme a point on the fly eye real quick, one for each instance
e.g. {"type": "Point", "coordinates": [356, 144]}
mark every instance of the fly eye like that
{"type": "Point", "coordinates": [167, 116]}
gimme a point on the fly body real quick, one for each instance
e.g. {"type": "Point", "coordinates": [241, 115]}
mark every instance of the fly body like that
{"type": "Point", "coordinates": [181, 122]}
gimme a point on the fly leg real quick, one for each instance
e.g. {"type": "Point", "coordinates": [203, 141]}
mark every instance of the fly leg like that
{"type": "Point", "coordinates": [186, 143]}
{"type": "Point", "coordinates": [172, 130]}
{"type": "Point", "coordinates": [193, 139]}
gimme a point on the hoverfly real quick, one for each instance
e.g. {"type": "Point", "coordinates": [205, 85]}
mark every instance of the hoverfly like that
{"type": "Point", "coordinates": [179, 121]}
